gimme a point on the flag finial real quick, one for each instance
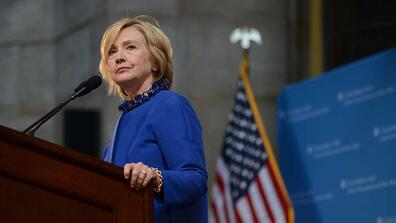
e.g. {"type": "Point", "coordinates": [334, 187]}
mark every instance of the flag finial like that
{"type": "Point", "coordinates": [245, 35]}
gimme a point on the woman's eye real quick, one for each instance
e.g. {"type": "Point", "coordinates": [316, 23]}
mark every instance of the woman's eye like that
{"type": "Point", "coordinates": [112, 51]}
{"type": "Point", "coordinates": [131, 47]}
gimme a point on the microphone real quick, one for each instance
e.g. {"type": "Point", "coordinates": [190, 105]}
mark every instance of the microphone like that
{"type": "Point", "coordinates": [87, 86]}
{"type": "Point", "coordinates": [82, 89]}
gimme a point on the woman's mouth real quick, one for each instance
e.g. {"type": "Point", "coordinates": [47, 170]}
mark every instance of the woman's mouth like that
{"type": "Point", "coordinates": [122, 69]}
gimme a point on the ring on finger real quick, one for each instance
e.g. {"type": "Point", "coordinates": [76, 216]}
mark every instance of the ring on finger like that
{"type": "Point", "coordinates": [142, 176]}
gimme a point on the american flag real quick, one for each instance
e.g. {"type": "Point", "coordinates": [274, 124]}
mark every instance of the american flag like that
{"type": "Point", "coordinates": [248, 186]}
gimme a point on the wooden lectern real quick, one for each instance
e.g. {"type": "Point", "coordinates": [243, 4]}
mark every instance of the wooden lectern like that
{"type": "Point", "coordinates": [43, 182]}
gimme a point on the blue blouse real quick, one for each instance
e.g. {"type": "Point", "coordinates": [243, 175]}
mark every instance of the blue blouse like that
{"type": "Point", "coordinates": [164, 132]}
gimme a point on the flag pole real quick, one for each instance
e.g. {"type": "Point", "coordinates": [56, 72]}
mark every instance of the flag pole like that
{"type": "Point", "coordinates": [245, 35]}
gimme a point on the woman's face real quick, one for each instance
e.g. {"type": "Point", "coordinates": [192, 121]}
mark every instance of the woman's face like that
{"type": "Point", "coordinates": [129, 61]}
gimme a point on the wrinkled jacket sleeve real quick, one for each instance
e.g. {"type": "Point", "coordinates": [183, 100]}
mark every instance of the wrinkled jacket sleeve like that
{"type": "Point", "coordinates": [105, 152]}
{"type": "Point", "coordinates": [179, 135]}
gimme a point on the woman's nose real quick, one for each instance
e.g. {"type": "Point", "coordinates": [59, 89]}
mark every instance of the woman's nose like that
{"type": "Point", "coordinates": [120, 58]}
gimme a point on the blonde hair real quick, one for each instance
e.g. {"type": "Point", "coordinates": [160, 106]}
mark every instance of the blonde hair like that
{"type": "Point", "coordinates": [158, 45]}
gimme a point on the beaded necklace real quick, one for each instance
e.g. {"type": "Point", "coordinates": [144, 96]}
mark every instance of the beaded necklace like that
{"type": "Point", "coordinates": [139, 99]}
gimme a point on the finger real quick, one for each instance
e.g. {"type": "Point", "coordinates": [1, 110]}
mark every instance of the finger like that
{"type": "Point", "coordinates": [140, 166]}
{"type": "Point", "coordinates": [127, 170]}
{"type": "Point", "coordinates": [134, 177]}
{"type": "Point", "coordinates": [148, 178]}
{"type": "Point", "coordinates": [141, 178]}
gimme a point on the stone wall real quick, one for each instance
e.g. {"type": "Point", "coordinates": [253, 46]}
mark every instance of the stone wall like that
{"type": "Point", "coordinates": [48, 46]}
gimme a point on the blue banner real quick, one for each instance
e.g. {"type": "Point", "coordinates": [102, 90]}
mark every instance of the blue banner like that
{"type": "Point", "coordinates": [337, 143]}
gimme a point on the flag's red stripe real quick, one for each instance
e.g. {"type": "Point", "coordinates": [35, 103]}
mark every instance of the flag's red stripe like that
{"type": "Point", "coordinates": [238, 218]}
{"type": "Point", "coordinates": [220, 183]}
{"type": "Point", "coordinates": [264, 198]}
{"type": "Point", "coordinates": [251, 207]}
{"type": "Point", "coordinates": [214, 211]}
{"type": "Point", "coordinates": [279, 192]}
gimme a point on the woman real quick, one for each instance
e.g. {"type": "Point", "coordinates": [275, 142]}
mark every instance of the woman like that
{"type": "Point", "coordinates": [158, 136]}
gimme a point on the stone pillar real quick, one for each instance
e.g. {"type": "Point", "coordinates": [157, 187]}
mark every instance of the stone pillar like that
{"type": "Point", "coordinates": [27, 62]}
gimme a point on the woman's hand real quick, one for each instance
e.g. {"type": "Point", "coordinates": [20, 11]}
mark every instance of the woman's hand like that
{"type": "Point", "coordinates": [140, 175]}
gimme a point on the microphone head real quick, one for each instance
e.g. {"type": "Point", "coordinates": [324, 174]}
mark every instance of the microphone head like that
{"type": "Point", "coordinates": [94, 82]}
{"type": "Point", "coordinates": [88, 85]}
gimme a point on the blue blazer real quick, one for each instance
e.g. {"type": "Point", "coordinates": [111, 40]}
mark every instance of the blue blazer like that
{"type": "Point", "coordinates": [164, 132]}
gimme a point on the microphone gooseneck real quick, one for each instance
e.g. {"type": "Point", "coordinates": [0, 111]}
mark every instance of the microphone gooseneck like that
{"type": "Point", "coordinates": [82, 89]}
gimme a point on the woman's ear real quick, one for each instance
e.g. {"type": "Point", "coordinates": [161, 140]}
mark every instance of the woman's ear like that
{"type": "Point", "coordinates": [155, 70]}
